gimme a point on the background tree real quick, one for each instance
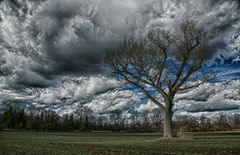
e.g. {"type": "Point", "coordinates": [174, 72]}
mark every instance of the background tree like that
{"type": "Point", "coordinates": [236, 121]}
{"type": "Point", "coordinates": [135, 121]}
{"type": "Point", "coordinates": [156, 119]}
{"type": "Point", "coordinates": [162, 65]}
{"type": "Point", "coordinates": [116, 117]}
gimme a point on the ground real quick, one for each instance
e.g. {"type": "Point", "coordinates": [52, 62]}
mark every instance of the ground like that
{"type": "Point", "coordinates": [46, 143]}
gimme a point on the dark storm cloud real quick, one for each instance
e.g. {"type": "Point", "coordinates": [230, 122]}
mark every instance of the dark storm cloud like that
{"type": "Point", "coordinates": [77, 33]}
{"type": "Point", "coordinates": [68, 57]}
{"type": "Point", "coordinates": [59, 37]}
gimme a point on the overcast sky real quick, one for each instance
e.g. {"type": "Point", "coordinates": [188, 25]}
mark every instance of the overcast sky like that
{"type": "Point", "coordinates": [51, 51]}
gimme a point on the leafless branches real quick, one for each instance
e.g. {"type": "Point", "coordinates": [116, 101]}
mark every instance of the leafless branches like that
{"type": "Point", "coordinates": [164, 63]}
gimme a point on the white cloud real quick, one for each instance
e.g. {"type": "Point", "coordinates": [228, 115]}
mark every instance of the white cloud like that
{"type": "Point", "coordinates": [210, 96]}
{"type": "Point", "coordinates": [113, 100]}
{"type": "Point", "coordinates": [150, 106]}
{"type": "Point", "coordinates": [76, 89]}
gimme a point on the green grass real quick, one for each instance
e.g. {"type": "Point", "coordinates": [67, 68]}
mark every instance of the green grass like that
{"type": "Point", "coordinates": [15, 143]}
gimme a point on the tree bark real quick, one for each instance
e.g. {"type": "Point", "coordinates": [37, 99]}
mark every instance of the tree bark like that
{"type": "Point", "coordinates": [167, 124]}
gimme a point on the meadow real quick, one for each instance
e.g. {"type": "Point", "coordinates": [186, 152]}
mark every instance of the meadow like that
{"type": "Point", "coordinates": [76, 143]}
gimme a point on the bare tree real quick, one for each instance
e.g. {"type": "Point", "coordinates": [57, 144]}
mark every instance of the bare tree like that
{"type": "Point", "coordinates": [117, 119]}
{"type": "Point", "coordinates": [163, 64]}
{"type": "Point", "coordinates": [156, 118]}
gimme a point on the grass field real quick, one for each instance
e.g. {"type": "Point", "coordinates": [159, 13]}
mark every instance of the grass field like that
{"type": "Point", "coordinates": [15, 143]}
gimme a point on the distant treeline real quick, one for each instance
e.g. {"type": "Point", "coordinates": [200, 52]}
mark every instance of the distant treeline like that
{"type": "Point", "coordinates": [84, 120]}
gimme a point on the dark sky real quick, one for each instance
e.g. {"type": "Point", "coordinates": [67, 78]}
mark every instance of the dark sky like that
{"type": "Point", "coordinates": [50, 47]}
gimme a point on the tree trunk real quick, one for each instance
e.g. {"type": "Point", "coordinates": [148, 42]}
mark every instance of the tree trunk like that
{"type": "Point", "coordinates": [167, 124]}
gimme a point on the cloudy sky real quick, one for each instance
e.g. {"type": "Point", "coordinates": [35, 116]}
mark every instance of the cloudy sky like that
{"type": "Point", "coordinates": [51, 52]}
